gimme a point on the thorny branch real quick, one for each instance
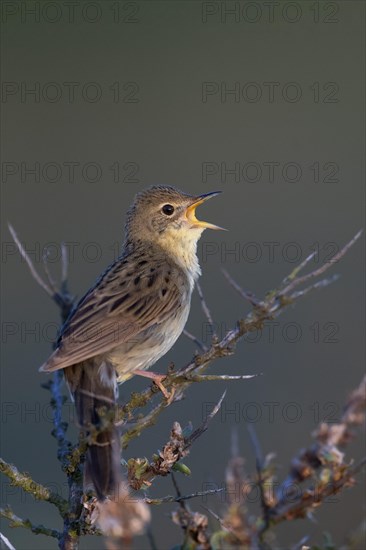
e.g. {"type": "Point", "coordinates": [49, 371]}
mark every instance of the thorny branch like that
{"type": "Point", "coordinates": [181, 498]}
{"type": "Point", "coordinates": [141, 472]}
{"type": "Point", "coordinates": [324, 456]}
{"type": "Point", "coordinates": [260, 468]}
{"type": "Point", "coordinates": [322, 464]}
{"type": "Point", "coordinates": [39, 492]}
{"type": "Point", "coordinates": [70, 457]}
{"type": "Point", "coordinates": [16, 521]}
{"type": "Point", "coordinates": [206, 311]}
{"type": "Point", "coordinates": [273, 305]}
{"type": "Point", "coordinates": [195, 525]}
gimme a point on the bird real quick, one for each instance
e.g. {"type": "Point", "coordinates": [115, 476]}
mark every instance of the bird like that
{"type": "Point", "coordinates": [129, 319]}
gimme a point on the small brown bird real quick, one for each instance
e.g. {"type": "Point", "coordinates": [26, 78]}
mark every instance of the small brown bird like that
{"type": "Point", "coordinates": [130, 318]}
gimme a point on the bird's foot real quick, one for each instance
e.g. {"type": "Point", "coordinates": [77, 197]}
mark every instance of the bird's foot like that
{"type": "Point", "coordinates": [167, 394]}
{"type": "Point", "coordinates": [158, 380]}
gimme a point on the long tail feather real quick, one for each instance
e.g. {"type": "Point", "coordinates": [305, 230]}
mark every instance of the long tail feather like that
{"type": "Point", "coordinates": [93, 386]}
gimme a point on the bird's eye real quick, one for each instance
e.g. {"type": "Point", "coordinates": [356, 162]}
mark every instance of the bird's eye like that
{"type": "Point", "coordinates": [168, 209]}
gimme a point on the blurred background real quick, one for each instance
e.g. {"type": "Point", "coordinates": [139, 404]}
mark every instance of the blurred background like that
{"type": "Point", "coordinates": [263, 101]}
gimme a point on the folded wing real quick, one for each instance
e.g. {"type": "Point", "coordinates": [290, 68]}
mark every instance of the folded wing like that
{"type": "Point", "coordinates": [117, 309]}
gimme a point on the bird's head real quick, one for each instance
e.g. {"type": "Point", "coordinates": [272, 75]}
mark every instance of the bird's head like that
{"type": "Point", "coordinates": [163, 213]}
{"type": "Point", "coordinates": [166, 217]}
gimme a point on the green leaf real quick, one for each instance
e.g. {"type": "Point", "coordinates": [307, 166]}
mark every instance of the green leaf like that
{"type": "Point", "coordinates": [182, 468]}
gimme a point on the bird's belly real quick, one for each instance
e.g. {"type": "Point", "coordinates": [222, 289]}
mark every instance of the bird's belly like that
{"type": "Point", "coordinates": [148, 347]}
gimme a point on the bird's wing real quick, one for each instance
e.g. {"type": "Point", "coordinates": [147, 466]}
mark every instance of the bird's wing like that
{"type": "Point", "coordinates": [127, 299]}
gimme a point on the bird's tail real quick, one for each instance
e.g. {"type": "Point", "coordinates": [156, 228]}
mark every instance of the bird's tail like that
{"type": "Point", "coordinates": [93, 386]}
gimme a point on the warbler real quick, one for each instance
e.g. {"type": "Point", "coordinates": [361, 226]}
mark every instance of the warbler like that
{"type": "Point", "coordinates": [130, 318]}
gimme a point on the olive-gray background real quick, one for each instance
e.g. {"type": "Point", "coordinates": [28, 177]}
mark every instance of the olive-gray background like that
{"type": "Point", "coordinates": [129, 94]}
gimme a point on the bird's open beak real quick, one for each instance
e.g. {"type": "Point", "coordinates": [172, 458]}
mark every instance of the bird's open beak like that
{"type": "Point", "coordinates": [191, 212]}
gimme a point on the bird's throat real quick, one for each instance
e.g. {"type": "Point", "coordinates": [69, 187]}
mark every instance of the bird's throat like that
{"type": "Point", "coordinates": [183, 250]}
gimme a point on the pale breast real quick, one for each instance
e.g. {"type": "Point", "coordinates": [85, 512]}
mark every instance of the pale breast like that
{"type": "Point", "coordinates": [149, 346]}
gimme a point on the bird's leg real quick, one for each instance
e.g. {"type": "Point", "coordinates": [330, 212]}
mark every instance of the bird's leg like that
{"type": "Point", "coordinates": [157, 378]}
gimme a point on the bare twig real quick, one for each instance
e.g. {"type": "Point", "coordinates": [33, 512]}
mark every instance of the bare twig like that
{"type": "Point", "coordinates": [62, 298]}
{"type": "Point", "coordinates": [249, 296]}
{"type": "Point", "coordinates": [194, 339]}
{"type": "Point", "coordinates": [26, 257]}
{"type": "Point", "coordinates": [214, 515]}
{"type": "Point", "coordinates": [40, 492]}
{"type": "Point", "coordinates": [214, 377]}
{"type": "Point", "coordinates": [206, 311]}
{"type": "Point", "coordinates": [199, 431]}
{"type": "Point", "coordinates": [296, 281]}
{"type": "Point", "coordinates": [316, 286]}
{"type": "Point", "coordinates": [256, 446]}
{"type": "Point", "coordinates": [7, 542]}
{"type": "Point", "coordinates": [176, 486]}
{"type": "Point", "coordinates": [224, 524]}
{"type": "Point", "coordinates": [259, 467]}
{"type": "Point", "coordinates": [50, 279]}
{"type": "Point", "coordinates": [294, 273]}
{"type": "Point", "coordinates": [170, 498]}
{"type": "Point", "coordinates": [16, 521]}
